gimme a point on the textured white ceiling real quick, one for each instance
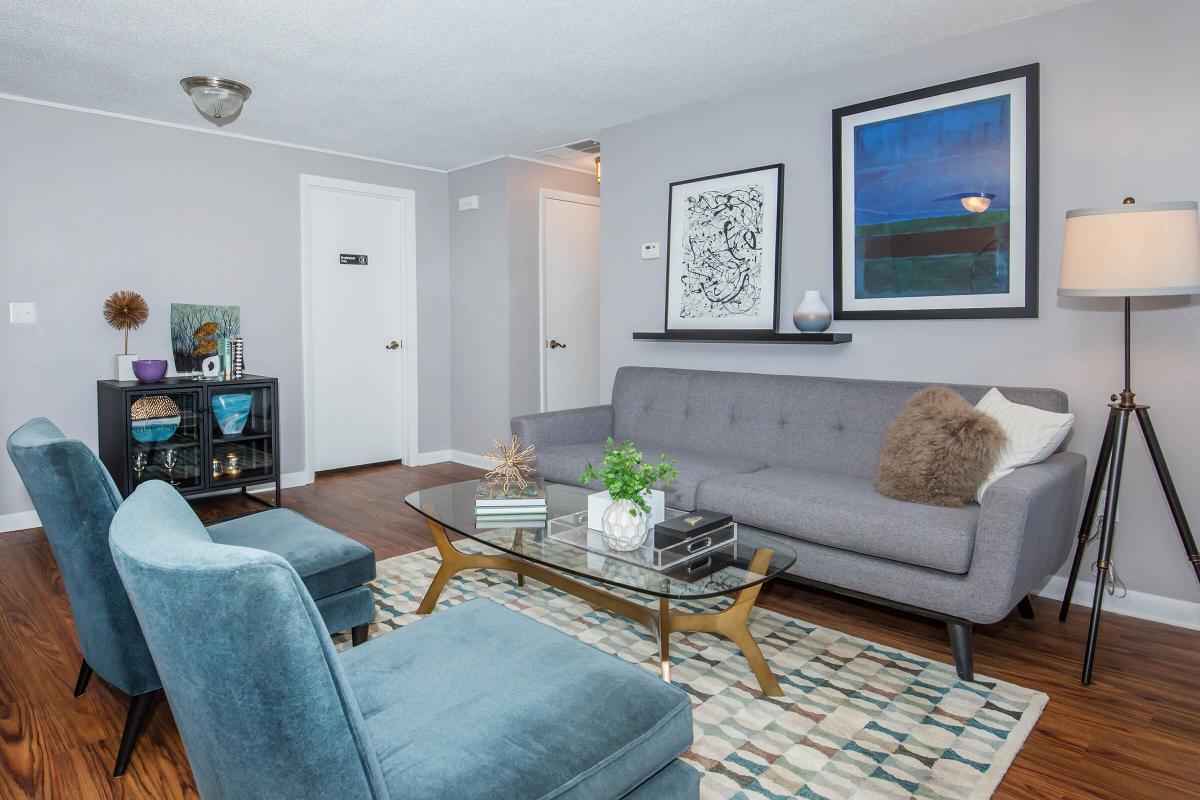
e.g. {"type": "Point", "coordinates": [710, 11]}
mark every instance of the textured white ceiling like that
{"type": "Point", "coordinates": [447, 82]}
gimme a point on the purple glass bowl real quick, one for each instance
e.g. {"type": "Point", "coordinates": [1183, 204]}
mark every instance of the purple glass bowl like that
{"type": "Point", "coordinates": [150, 370]}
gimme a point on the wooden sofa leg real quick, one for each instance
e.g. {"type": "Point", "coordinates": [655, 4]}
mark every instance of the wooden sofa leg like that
{"type": "Point", "coordinates": [960, 644]}
{"type": "Point", "coordinates": [358, 635]}
{"type": "Point", "coordinates": [1025, 608]}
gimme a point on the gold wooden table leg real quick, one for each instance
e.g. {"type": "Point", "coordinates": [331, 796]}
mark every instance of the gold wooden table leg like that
{"type": "Point", "coordinates": [455, 561]}
{"type": "Point", "coordinates": [733, 623]}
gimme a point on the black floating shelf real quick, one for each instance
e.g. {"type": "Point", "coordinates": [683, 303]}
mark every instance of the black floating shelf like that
{"type": "Point", "coordinates": [743, 336]}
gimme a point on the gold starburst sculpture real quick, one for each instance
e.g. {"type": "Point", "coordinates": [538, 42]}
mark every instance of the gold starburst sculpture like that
{"type": "Point", "coordinates": [514, 464]}
{"type": "Point", "coordinates": [126, 311]}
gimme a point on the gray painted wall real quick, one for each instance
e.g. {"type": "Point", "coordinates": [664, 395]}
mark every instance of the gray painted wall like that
{"type": "Point", "coordinates": [479, 306]}
{"type": "Point", "coordinates": [494, 301]}
{"type": "Point", "coordinates": [1119, 117]}
{"type": "Point", "coordinates": [91, 204]}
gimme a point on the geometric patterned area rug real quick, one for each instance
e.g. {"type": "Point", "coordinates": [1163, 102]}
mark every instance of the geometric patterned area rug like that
{"type": "Point", "coordinates": [857, 720]}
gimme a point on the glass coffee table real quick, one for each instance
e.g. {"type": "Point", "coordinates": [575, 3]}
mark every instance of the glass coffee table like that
{"type": "Point", "coordinates": [738, 569]}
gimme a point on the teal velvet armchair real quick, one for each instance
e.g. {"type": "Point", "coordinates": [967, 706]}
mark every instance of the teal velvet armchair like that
{"type": "Point", "coordinates": [475, 703]}
{"type": "Point", "coordinates": [76, 499]}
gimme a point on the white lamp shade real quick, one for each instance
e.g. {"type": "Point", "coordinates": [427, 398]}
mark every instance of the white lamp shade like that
{"type": "Point", "coordinates": [1131, 250]}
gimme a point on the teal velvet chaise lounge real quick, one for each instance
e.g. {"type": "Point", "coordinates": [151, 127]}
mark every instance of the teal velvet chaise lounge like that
{"type": "Point", "coordinates": [474, 702]}
{"type": "Point", "coordinates": [76, 498]}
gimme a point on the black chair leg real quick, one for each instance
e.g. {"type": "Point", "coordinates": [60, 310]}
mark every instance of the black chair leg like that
{"type": "Point", "coordinates": [1025, 608]}
{"type": "Point", "coordinates": [358, 634]}
{"type": "Point", "coordinates": [141, 706]}
{"type": "Point", "coordinates": [960, 644]}
{"type": "Point", "coordinates": [85, 675]}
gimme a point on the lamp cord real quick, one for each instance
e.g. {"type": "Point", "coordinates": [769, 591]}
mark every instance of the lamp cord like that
{"type": "Point", "coordinates": [1112, 581]}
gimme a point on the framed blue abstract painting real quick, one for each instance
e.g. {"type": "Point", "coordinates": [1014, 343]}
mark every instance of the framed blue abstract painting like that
{"type": "Point", "coordinates": [935, 201]}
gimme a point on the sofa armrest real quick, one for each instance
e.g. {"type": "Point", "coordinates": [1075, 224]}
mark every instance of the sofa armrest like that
{"type": "Point", "coordinates": [574, 426]}
{"type": "Point", "coordinates": [1027, 522]}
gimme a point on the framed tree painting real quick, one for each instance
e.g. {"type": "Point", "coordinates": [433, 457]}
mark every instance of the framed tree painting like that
{"type": "Point", "coordinates": [723, 251]}
{"type": "Point", "coordinates": [195, 330]}
{"type": "Point", "coordinates": [936, 201]}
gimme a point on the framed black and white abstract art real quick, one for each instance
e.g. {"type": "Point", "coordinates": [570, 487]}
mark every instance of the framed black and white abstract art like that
{"type": "Point", "coordinates": [723, 251]}
{"type": "Point", "coordinates": [936, 201]}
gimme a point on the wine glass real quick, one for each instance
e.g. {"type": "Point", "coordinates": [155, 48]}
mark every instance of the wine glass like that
{"type": "Point", "coordinates": [139, 464]}
{"type": "Point", "coordinates": [170, 459]}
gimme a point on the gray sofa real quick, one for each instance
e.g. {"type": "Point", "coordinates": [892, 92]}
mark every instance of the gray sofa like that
{"type": "Point", "coordinates": [796, 456]}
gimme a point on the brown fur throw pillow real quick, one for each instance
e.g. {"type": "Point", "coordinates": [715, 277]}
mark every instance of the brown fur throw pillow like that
{"type": "Point", "coordinates": [939, 450]}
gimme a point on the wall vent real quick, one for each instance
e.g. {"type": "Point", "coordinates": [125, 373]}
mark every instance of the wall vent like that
{"type": "Point", "coordinates": [573, 150]}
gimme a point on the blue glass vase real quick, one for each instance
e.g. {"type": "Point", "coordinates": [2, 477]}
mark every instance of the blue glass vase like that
{"type": "Point", "coordinates": [231, 412]}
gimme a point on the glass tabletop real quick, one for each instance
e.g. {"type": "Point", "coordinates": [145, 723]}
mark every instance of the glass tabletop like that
{"type": "Point", "coordinates": [727, 568]}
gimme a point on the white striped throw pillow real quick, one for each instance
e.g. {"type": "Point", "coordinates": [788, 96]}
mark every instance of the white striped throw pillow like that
{"type": "Point", "coordinates": [1033, 434]}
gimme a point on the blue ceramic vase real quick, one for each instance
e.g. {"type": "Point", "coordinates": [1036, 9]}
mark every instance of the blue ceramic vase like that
{"type": "Point", "coordinates": [231, 411]}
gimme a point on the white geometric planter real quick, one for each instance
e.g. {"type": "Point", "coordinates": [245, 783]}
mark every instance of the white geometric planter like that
{"type": "Point", "coordinates": [625, 526]}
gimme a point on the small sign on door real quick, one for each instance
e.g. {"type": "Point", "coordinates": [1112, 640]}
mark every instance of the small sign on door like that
{"type": "Point", "coordinates": [352, 258]}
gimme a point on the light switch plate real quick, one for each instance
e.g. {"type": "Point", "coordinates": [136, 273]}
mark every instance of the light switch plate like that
{"type": "Point", "coordinates": [470, 203]}
{"type": "Point", "coordinates": [650, 250]}
{"type": "Point", "coordinates": [22, 313]}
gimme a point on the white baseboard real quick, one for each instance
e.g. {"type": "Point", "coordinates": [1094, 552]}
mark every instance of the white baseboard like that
{"type": "Point", "coordinates": [1143, 605]}
{"type": "Point", "coordinates": [19, 521]}
{"type": "Point", "coordinates": [433, 457]}
{"type": "Point", "coordinates": [289, 480]}
{"type": "Point", "coordinates": [470, 459]}
{"type": "Point", "coordinates": [457, 456]}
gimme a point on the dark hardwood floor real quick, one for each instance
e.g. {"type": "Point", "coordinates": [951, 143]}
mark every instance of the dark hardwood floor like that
{"type": "Point", "coordinates": [1135, 733]}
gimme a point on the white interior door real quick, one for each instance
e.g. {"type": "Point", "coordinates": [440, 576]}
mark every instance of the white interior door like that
{"type": "Point", "coordinates": [356, 257]}
{"type": "Point", "coordinates": [570, 301]}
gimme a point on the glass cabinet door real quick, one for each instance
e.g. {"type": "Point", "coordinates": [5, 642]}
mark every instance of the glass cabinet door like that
{"type": "Point", "coordinates": [165, 442]}
{"type": "Point", "coordinates": [243, 433]}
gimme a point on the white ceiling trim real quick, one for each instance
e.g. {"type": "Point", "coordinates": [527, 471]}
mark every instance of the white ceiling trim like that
{"type": "Point", "coordinates": [541, 161]}
{"type": "Point", "coordinates": [227, 134]}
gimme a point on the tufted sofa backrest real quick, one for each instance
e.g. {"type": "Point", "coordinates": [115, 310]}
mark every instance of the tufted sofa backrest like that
{"type": "Point", "coordinates": [831, 424]}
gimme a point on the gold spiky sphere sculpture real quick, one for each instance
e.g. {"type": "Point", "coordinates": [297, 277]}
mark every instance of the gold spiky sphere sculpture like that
{"type": "Point", "coordinates": [514, 464]}
{"type": "Point", "coordinates": [126, 311]}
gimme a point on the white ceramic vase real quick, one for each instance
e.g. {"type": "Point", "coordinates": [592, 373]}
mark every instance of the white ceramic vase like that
{"type": "Point", "coordinates": [812, 315]}
{"type": "Point", "coordinates": [625, 526]}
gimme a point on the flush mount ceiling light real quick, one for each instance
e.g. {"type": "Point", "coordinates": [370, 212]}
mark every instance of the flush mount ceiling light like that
{"type": "Point", "coordinates": [218, 98]}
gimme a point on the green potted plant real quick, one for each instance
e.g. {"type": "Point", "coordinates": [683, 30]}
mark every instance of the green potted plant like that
{"type": "Point", "coordinates": [628, 478]}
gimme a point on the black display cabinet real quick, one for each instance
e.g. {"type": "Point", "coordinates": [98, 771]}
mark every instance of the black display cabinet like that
{"type": "Point", "coordinates": [199, 436]}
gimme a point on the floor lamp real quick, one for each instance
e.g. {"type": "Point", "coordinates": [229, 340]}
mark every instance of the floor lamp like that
{"type": "Point", "coordinates": [1131, 250]}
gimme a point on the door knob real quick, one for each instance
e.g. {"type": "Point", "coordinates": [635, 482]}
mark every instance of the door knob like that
{"type": "Point", "coordinates": [393, 346]}
{"type": "Point", "coordinates": [554, 344]}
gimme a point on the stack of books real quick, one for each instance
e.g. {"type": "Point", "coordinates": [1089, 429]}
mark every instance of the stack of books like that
{"type": "Point", "coordinates": [516, 508]}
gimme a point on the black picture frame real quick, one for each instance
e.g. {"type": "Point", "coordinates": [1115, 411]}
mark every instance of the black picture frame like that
{"type": "Point", "coordinates": [779, 169]}
{"type": "Point", "coordinates": [1029, 308]}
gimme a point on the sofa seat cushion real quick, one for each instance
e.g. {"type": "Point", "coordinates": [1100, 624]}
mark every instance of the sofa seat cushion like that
{"type": "Point", "coordinates": [564, 463]}
{"type": "Point", "coordinates": [846, 512]}
{"type": "Point", "coordinates": [478, 701]}
{"type": "Point", "coordinates": [325, 560]}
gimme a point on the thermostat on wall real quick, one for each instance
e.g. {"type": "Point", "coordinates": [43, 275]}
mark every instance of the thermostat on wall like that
{"type": "Point", "coordinates": [468, 203]}
{"type": "Point", "coordinates": [650, 250]}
